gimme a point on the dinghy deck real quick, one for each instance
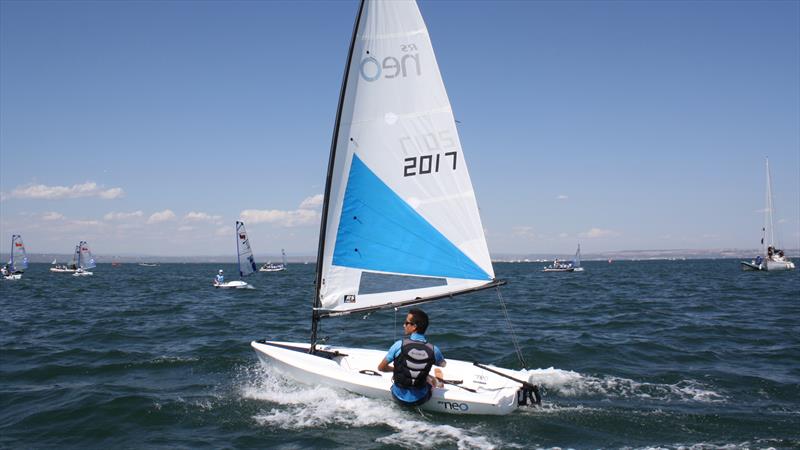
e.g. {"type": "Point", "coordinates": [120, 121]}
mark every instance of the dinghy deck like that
{"type": "Point", "coordinates": [468, 389]}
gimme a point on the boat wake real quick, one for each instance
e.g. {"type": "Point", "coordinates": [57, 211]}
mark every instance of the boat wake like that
{"type": "Point", "coordinates": [573, 384]}
{"type": "Point", "coordinates": [293, 406]}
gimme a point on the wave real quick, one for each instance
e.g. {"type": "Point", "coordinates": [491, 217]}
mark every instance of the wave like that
{"type": "Point", "coordinates": [568, 383]}
{"type": "Point", "coordinates": [293, 406]}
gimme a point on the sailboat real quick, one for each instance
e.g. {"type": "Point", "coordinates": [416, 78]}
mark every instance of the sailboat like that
{"type": "Point", "coordinates": [71, 267]}
{"type": "Point", "coordinates": [18, 261]}
{"type": "Point", "coordinates": [574, 266]}
{"type": "Point", "coordinates": [85, 260]}
{"type": "Point", "coordinates": [269, 267]}
{"type": "Point", "coordinates": [771, 257]}
{"type": "Point", "coordinates": [398, 207]}
{"type": "Point", "coordinates": [244, 255]}
{"type": "Point", "coordinates": [576, 261]}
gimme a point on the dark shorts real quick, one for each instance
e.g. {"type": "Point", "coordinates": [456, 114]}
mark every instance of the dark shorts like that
{"type": "Point", "coordinates": [412, 404]}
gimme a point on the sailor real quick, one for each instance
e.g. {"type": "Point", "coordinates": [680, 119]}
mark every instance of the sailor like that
{"type": "Point", "coordinates": [220, 278]}
{"type": "Point", "coordinates": [414, 357]}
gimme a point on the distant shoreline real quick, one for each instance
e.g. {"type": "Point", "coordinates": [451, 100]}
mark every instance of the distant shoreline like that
{"type": "Point", "coordinates": [626, 255]}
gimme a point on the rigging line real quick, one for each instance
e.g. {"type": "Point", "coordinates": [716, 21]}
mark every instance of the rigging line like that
{"type": "Point", "coordinates": [510, 327]}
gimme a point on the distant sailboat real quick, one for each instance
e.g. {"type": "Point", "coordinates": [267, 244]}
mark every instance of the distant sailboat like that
{"type": "Point", "coordinates": [71, 267]}
{"type": "Point", "coordinates": [400, 209]}
{"type": "Point", "coordinates": [244, 255]}
{"type": "Point", "coordinates": [576, 262]}
{"type": "Point", "coordinates": [85, 260]}
{"type": "Point", "coordinates": [269, 267]}
{"type": "Point", "coordinates": [574, 266]}
{"type": "Point", "coordinates": [18, 261]}
{"type": "Point", "coordinates": [771, 257]}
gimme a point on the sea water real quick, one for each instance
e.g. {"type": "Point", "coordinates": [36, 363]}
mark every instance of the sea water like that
{"type": "Point", "coordinates": [633, 354]}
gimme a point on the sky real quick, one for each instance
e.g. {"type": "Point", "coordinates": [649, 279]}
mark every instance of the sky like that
{"type": "Point", "coordinates": [148, 128]}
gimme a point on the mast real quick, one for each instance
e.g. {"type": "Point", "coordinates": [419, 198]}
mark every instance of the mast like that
{"type": "Point", "coordinates": [238, 255]}
{"type": "Point", "coordinates": [768, 224]}
{"type": "Point", "coordinates": [331, 160]}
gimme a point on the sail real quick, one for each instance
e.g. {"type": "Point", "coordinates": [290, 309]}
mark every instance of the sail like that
{"type": "Point", "coordinates": [76, 255]}
{"type": "Point", "coordinates": [576, 262]}
{"type": "Point", "coordinates": [400, 200]}
{"type": "Point", "coordinates": [19, 259]}
{"type": "Point", "coordinates": [283, 258]}
{"type": "Point", "coordinates": [247, 263]}
{"type": "Point", "coordinates": [85, 258]}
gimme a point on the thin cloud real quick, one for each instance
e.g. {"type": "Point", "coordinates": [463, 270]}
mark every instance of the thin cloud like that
{"type": "Point", "coordinates": [598, 233]}
{"type": "Point", "coordinates": [52, 215]}
{"type": "Point", "coordinates": [312, 202]}
{"type": "Point", "coordinates": [44, 192]}
{"type": "Point", "coordinates": [201, 217]}
{"type": "Point", "coordinates": [562, 197]}
{"type": "Point", "coordinates": [282, 218]}
{"type": "Point", "coordinates": [306, 214]}
{"type": "Point", "coordinates": [87, 223]}
{"type": "Point", "coordinates": [123, 215]}
{"type": "Point", "coordinates": [161, 216]}
{"type": "Point", "coordinates": [523, 231]}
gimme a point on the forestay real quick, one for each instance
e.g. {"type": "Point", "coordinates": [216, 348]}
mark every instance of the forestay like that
{"type": "Point", "coordinates": [19, 259]}
{"type": "Point", "coordinates": [247, 263]}
{"type": "Point", "coordinates": [400, 200]}
{"type": "Point", "coordinates": [85, 258]}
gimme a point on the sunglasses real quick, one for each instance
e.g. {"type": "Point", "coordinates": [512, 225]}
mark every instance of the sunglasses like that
{"type": "Point", "coordinates": [409, 323]}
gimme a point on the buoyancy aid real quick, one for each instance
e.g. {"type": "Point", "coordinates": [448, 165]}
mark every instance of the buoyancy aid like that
{"type": "Point", "coordinates": [413, 364]}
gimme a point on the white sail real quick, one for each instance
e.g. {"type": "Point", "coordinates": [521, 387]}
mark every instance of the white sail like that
{"type": "Point", "coordinates": [400, 200]}
{"type": "Point", "coordinates": [85, 258]}
{"type": "Point", "coordinates": [247, 265]}
{"type": "Point", "coordinates": [19, 259]}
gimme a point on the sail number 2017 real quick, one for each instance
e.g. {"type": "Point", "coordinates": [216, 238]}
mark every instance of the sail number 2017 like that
{"type": "Point", "coordinates": [425, 164]}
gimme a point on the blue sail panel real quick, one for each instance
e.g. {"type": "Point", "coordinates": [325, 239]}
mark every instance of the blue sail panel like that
{"type": "Point", "coordinates": [379, 231]}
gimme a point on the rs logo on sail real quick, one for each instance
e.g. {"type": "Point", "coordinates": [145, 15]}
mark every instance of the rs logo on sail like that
{"type": "Point", "coordinates": [373, 68]}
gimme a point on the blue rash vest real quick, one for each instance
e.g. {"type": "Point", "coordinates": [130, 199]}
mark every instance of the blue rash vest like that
{"type": "Point", "coordinates": [411, 395]}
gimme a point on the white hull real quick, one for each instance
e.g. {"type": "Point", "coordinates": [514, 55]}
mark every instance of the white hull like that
{"type": "Point", "coordinates": [269, 269]}
{"type": "Point", "coordinates": [236, 284]}
{"type": "Point", "coordinates": [550, 269]}
{"type": "Point", "coordinates": [83, 273]}
{"type": "Point", "coordinates": [53, 269]}
{"type": "Point", "coordinates": [15, 276]}
{"type": "Point", "coordinates": [768, 266]}
{"type": "Point", "coordinates": [354, 370]}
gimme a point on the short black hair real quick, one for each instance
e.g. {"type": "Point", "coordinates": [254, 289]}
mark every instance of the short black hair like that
{"type": "Point", "coordinates": [420, 319]}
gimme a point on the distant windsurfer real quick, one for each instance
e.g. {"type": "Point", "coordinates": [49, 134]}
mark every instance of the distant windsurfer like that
{"type": "Point", "coordinates": [413, 358]}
